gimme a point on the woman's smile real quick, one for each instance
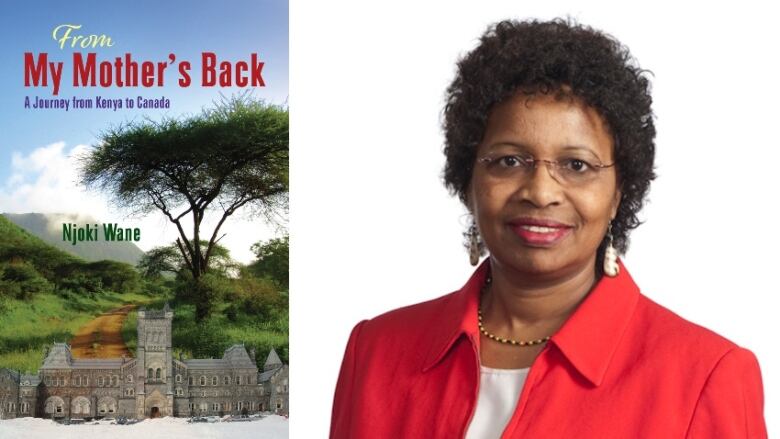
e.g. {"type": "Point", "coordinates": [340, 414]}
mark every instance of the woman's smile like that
{"type": "Point", "coordinates": [536, 232]}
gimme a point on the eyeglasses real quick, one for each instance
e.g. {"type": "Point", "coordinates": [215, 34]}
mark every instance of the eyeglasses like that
{"type": "Point", "coordinates": [568, 171]}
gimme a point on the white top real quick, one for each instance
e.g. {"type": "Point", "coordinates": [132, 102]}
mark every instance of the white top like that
{"type": "Point", "coordinates": [499, 391]}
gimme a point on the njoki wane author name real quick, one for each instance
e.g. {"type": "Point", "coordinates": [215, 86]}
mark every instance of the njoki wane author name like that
{"type": "Point", "coordinates": [75, 233]}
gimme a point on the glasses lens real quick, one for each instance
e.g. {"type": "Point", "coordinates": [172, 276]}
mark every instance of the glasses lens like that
{"type": "Point", "coordinates": [509, 166]}
{"type": "Point", "coordinates": [576, 171]}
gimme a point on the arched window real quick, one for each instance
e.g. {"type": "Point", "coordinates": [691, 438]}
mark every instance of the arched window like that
{"type": "Point", "coordinates": [77, 381]}
{"type": "Point", "coordinates": [54, 405]}
{"type": "Point", "coordinates": [238, 380]}
{"type": "Point", "coordinates": [100, 381]}
{"type": "Point", "coordinates": [226, 381]}
{"type": "Point", "coordinates": [202, 381]}
{"type": "Point", "coordinates": [150, 373]}
{"type": "Point", "coordinates": [178, 378]}
{"type": "Point", "coordinates": [158, 373]}
{"type": "Point", "coordinates": [192, 381]}
{"type": "Point", "coordinates": [80, 406]}
{"type": "Point", "coordinates": [214, 381]}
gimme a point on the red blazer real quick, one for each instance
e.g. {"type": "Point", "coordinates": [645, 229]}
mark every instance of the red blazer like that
{"type": "Point", "coordinates": [621, 366]}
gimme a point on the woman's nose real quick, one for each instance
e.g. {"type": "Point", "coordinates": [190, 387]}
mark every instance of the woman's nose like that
{"type": "Point", "coordinates": [540, 187]}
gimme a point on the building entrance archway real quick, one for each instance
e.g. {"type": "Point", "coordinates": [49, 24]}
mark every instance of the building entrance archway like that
{"type": "Point", "coordinates": [155, 412]}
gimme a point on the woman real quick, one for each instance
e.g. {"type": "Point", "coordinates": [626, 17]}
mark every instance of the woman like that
{"type": "Point", "coordinates": [550, 146]}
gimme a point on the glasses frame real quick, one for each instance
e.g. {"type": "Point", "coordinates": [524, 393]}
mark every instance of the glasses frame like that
{"type": "Point", "coordinates": [556, 164]}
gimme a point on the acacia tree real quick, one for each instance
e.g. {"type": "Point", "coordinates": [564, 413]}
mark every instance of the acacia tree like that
{"type": "Point", "coordinates": [225, 158]}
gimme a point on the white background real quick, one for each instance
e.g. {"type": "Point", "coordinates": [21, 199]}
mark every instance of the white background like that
{"type": "Point", "coordinates": [373, 227]}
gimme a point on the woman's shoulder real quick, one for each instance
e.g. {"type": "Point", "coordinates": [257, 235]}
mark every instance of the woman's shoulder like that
{"type": "Point", "coordinates": [665, 330]}
{"type": "Point", "coordinates": [410, 318]}
{"type": "Point", "coordinates": [722, 378]}
{"type": "Point", "coordinates": [408, 333]}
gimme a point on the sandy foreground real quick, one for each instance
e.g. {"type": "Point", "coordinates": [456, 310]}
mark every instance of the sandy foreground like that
{"type": "Point", "coordinates": [271, 427]}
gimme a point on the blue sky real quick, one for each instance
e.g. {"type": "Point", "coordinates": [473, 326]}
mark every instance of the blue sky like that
{"type": "Point", "coordinates": [34, 142]}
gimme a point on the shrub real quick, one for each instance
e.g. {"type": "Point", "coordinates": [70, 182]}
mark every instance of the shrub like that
{"type": "Point", "coordinates": [22, 281]}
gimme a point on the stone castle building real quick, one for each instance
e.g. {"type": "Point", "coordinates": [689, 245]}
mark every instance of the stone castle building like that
{"type": "Point", "coordinates": [150, 385]}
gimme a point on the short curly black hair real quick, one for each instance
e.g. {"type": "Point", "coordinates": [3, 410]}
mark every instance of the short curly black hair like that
{"type": "Point", "coordinates": [543, 57]}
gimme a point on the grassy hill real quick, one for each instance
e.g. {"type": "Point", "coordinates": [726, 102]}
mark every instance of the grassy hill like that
{"type": "Point", "coordinates": [48, 227]}
{"type": "Point", "coordinates": [47, 294]}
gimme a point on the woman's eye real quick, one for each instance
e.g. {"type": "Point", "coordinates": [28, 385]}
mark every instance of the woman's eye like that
{"type": "Point", "coordinates": [508, 161]}
{"type": "Point", "coordinates": [576, 165]}
{"type": "Point", "coordinates": [511, 161]}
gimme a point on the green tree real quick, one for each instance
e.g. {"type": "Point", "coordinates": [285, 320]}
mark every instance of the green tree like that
{"type": "Point", "coordinates": [217, 162]}
{"type": "Point", "coordinates": [273, 261]}
{"type": "Point", "coordinates": [168, 259]}
{"type": "Point", "coordinates": [159, 260]}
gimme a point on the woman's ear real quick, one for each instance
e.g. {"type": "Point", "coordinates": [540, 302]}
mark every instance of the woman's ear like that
{"type": "Point", "coordinates": [468, 198]}
{"type": "Point", "coordinates": [616, 202]}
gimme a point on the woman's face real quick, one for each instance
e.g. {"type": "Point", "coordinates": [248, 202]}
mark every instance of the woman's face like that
{"type": "Point", "coordinates": [551, 218]}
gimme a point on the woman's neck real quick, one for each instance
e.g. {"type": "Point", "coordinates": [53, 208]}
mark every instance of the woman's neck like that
{"type": "Point", "coordinates": [516, 301]}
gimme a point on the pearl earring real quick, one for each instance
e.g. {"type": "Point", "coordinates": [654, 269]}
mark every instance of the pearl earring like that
{"type": "Point", "coordinates": [611, 267]}
{"type": "Point", "coordinates": [473, 236]}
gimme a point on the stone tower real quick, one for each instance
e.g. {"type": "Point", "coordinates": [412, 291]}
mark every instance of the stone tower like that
{"type": "Point", "coordinates": [154, 370]}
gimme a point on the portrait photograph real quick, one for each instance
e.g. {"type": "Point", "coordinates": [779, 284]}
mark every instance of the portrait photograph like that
{"type": "Point", "coordinates": [520, 219]}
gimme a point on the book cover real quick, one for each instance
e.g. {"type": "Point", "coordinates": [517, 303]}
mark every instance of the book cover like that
{"type": "Point", "coordinates": [143, 235]}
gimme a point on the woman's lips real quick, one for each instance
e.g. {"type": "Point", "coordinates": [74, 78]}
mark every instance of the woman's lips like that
{"type": "Point", "coordinates": [540, 233]}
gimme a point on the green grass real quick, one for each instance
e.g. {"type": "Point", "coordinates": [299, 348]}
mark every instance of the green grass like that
{"type": "Point", "coordinates": [129, 334]}
{"type": "Point", "coordinates": [212, 337]}
{"type": "Point", "coordinates": [28, 327]}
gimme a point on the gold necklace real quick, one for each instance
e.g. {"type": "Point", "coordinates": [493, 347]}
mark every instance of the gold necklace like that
{"type": "Point", "coordinates": [502, 339]}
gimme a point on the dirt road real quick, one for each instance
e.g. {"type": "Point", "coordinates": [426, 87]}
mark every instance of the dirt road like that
{"type": "Point", "coordinates": [102, 337]}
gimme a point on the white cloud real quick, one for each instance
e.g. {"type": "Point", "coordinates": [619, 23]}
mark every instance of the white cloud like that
{"type": "Point", "coordinates": [45, 181]}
